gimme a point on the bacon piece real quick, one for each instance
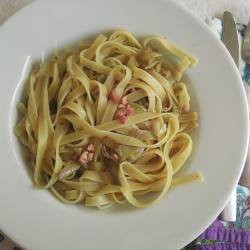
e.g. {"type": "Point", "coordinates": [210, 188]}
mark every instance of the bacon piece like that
{"type": "Point", "coordinates": [130, 110]}
{"type": "Point", "coordinates": [123, 112]}
{"type": "Point", "coordinates": [122, 119]}
{"type": "Point", "coordinates": [87, 155]}
{"type": "Point", "coordinates": [83, 159]}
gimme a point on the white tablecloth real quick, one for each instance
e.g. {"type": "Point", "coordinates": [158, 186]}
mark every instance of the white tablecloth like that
{"type": "Point", "coordinates": [201, 8]}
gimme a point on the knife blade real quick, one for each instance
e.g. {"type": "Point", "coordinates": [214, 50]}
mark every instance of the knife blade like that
{"type": "Point", "coordinates": [230, 38]}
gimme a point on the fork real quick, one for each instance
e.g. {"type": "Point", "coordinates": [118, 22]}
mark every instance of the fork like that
{"type": "Point", "coordinates": [245, 49]}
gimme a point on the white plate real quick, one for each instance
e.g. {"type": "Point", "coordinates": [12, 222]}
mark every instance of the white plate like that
{"type": "Point", "coordinates": [38, 221]}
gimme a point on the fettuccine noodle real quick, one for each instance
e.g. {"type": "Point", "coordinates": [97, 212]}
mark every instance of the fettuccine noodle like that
{"type": "Point", "coordinates": [109, 122]}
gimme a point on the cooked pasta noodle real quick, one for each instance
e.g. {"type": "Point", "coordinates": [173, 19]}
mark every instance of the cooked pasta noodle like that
{"type": "Point", "coordinates": [110, 121]}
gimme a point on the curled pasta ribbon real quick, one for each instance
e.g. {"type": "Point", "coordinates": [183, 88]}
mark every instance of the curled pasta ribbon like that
{"type": "Point", "coordinates": [175, 58]}
{"type": "Point", "coordinates": [109, 122]}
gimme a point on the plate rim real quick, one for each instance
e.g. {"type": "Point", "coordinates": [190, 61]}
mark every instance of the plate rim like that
{"type": "Point", "coordinates": [197, 20]}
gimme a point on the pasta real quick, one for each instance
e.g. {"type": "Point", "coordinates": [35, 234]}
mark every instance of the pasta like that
{"type": "Point", "coordinates": [110, 121]}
